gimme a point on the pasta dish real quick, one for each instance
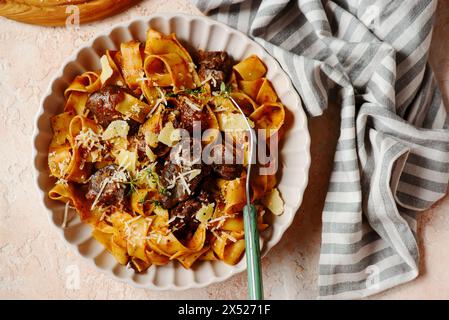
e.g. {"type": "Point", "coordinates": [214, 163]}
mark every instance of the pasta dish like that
{"type": "Point", "coordinates": [152, 153]}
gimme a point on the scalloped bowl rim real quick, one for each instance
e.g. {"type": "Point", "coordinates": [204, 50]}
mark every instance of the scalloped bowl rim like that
{"type": "Point", "coordinates": [299, 114]}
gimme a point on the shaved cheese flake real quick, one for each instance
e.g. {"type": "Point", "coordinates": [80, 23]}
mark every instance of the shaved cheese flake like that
{"type": "Point", "coordinates": [117, 128]}
{"type": "Point", "coordinates": [232, 122]}
{"type": "Point", "coordinates": [127, 160]}
{"type": "Point", "coordinates": [205, 213]}
{"type": "Point", "coordinates": [192, 105]}
{"type": "Point", "coordinates": [118, 144]}
{"type": "Point", "coordinates": [106, 70]}
{"type": "Point", "coordinates": [274, 202]}
{"type": "Point", "coordinates": [169, 135]}
{"type": "Point", "coordinates": [149, 153]}
{"type": "Point", "coordinates": [151, 138]}
{"type": "Point", "coordinates": [132, 108]}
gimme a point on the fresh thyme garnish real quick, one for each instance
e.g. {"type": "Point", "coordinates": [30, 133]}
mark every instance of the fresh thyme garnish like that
{"type": "Point", "coordinates": [225, 90]}
{"type": "Point", "coordinates": [162, 190]}
{"type": "Point", "coordinates": [132, 186]}
{"type": "Point", "coordinates": [195, 91]}
{"type": "Point", "coordinates": [154, 177]}
{"type": "Point", "coordinates": [143, 200]}
{"type": "Point", "coordinates": [171, 95]}
{"type": "Point", "coordinates": [156, 203]}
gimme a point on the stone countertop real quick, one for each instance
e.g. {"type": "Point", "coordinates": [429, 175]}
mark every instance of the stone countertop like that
{"type": "Point", "coordinates": [36, 264]}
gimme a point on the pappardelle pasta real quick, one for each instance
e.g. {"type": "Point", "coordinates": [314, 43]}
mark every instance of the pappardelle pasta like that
{"type": "Point", "coordinates": [124, 151]}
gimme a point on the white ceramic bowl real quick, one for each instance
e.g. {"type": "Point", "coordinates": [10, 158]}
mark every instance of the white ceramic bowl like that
{"type": "Point", "coordinates": [196, 33]}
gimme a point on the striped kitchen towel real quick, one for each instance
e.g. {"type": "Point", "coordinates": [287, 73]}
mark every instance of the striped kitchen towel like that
{"type": "Point", "coordinates": [392, 156]}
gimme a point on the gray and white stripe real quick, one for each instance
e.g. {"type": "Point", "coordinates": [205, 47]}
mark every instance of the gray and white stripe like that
{"type": "Point", "coordinates": [392, 157]}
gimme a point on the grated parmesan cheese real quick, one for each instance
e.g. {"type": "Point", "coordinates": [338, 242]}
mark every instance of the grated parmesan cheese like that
{"type": "Point", "coordinates": [215, 234]}
{"type": "Point", "coordinates": [63, 166]}
{"type": "Point", "coordinates": [219, 219]}
{"type": "Point", "coordinates": [184, 183]}
{"type": "Point", "coordinates": [192, 105]}
{"type": "Point", "coordinates": [88, 139]}
{"type": "Point", "coordinates": [117, 177]}
{"type": "Point", "coordinates": [209, 78]}
{"type": "Point", "coordinates": [62, 182]}
{"type": "Point", "coordinates": [161, 95]}
{"type": "Point", "coordinates": [104, 183]}
{"type": "Point", "coordinates": [229, 236]}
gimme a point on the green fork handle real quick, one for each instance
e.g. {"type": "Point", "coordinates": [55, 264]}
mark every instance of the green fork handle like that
{"type": "Point", "coordinates": [252, 249]}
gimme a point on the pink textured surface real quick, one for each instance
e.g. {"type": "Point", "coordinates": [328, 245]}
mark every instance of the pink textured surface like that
{"type": "Point", "coordinates": [36, 263]}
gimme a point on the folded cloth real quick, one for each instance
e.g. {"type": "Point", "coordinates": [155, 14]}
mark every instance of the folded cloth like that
{"type": "Point", "coordinates": [392, 156]}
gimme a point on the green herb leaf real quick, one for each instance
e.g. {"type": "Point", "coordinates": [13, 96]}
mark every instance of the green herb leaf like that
{"type": "Point", "coordinates": [156, 203]}
{"type": "Point", "coordinates": [171, 95]}
{"type": "Point", "coordinates": [195, 91]}
{"type": "Point", "coordinates": [162, 191]}
{"type": "Point", "coordinates": [142, 200]}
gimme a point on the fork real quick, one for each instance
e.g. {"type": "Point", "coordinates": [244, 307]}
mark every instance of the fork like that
{"type": "Point", "coordinates": [252, 246]}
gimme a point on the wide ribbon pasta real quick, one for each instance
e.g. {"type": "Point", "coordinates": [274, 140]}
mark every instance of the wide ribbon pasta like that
{"type": "Point", "coordinates": [116, 157]}
{"type": "Point", "coordinates": [87, 82]}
